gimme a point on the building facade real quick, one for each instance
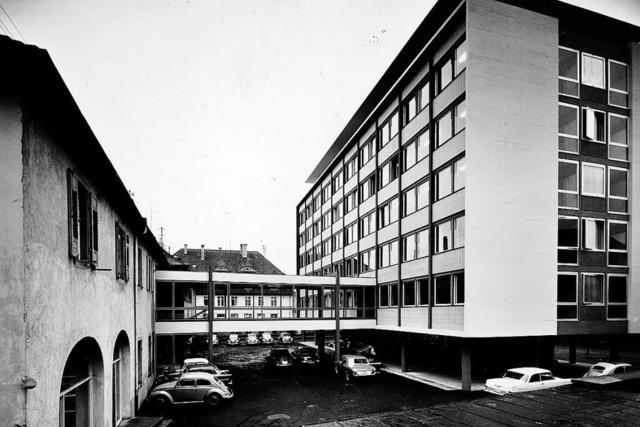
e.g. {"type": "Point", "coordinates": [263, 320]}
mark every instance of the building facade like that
{"type": "Point", "coordinates": [77, 261]}
{"type": "Point", "coordinates": [486, 182]}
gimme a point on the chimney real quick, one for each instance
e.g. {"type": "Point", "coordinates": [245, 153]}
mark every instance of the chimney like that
{"type": "Point", "coordinates": [185, 248]}
{"type": "Point", "coordinates": [243, 249]}
{"type": "Point", "coordinates": [201, 252]}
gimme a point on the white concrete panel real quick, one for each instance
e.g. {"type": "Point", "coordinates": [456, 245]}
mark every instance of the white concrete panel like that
{"type": "Point", "coordinates": [416, 124]}
{"type": "Point", "coordinates": [416, 173]}
{"type": "Point", "coordinates": [511, 200]}
{"type": "Point", "coordinates": [415, 317]}
{"type": "Point", "coordinates": [449, 94]}
{"type": "Point", "coordinates": [444, 47]}
{"type": "Point", "coordinates": [449, 150]}
{"type": "Point", "coordinates": [388, 150]}
{"type": "Point", "coordinates": [367, 206]}
{"type": "Point", "coordinates": [415, 221]}
{"type": "Point", "coordinates": [289, 325]}
{"type": "Point", "coordinates": [350, 250]}
{"type": "Point", "coordinates": [367, 134]}
{"type": "Point", "coordinates": [326, 260]}
{"type": "Point", "coordinates": [449, 261]}
{"type": "Point", "coordinates": [249, 278]}
{"type": "Point", "coordinates": [388, 191]}
{"type": "Point", "coordinates": [337, 256]}
{"type": "Point", "coordinates": [350, 217]}
{"type": "Point", "coordinates": [450, 205]}
{"type": "Point", "coordinates": [388, 233]}
{"type": "Point", "coordinates": [325, 234]}
{"type": "Point", "coordinates": [416, 268]}
{"type": "Point", "coordinates": [368, 242]}
{"type": "Point", "coordinates": [367, 169]}
{"type": "Point", "coordinates": [351, 184]}
{"type": "Point", "coordinates": [388, 274]}
{"type": "Point", "coordinates": [449, 318]}
{"type": "Point", "coordinates": [418, 76]}
{"type": "Point", "coordinates": [326, 206]}
{"type": "Point", "coordinates": [351, 151]}
{"type": "Point", "coordinates": [388, 316]}
{"type": "Point", "coordinates": [388, 110]}
{"type": "Point", "coordinates": [181, 327]}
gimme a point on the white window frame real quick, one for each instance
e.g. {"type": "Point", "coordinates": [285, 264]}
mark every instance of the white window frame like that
{"type": "Point", "coordinates": [577, 52]}
{"type": "Point", "coordinates": [582, 229]}
{"type": "Point", "coordinates": [610, 89]}
{"type": "Point", "coordinates": [603, 289]}
{"type": "Point", "coordinates": [581, 124]}
{"type": "Point", "coordinates": [415, 294]}
{"type": "Point", "coordinates": [626, 171]}
{"type": "Point", "coordinates": [576, 248]}
{"type": "Point", "coordinates": [575, 275]}
{"type": "Point", "coordinates": [578, 184]}
{"type": "Point", "coordinates": [380, 299]}
{"type": "Point", "coordinates": [626, 251]}
{"type": "Point", "coordinates": [626, 276]}
{"type": "Point", "coordinates": [454, 289]}
{"type": "Point", "coordinates": [414, 255]}
{"type": "Point", "coordinates": [604, 62]}
{"type": "Point", "coordinates": [577, 136]}
{"type": "Point", "coordinates": [617, 143]}
{"type": "Point", "coordinates": [604, 177]}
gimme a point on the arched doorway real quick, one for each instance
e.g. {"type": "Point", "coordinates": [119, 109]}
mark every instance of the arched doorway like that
{"type": "Point", "coordinates": [81, 390]}
{"type": "Point", "coordinates": [120, 378]}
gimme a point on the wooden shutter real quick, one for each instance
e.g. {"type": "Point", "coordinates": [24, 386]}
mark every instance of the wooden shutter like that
{"type": "Point", "coordinates": [118, 252]}
{"type": "Point", "coordinates": [73, 206]}
{"type": "Point", "coordinates": [94, 230]}
{"type": "Point", "coordinates": [126, 259]}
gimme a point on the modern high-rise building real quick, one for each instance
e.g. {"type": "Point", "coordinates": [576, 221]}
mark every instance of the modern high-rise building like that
{"type": "Point", "coordinates": [487, 181]}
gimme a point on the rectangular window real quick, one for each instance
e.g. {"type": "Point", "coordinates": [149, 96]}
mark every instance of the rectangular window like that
{"type": "Point", "coordinates": [443, 290]}
{"type": "Point", "coordinates": [417, 102]}
{"type": "Point", "coordinates": [460, 119]}
{"type": "Point", "coordinates": [445, 75]}
{"type": "Point", "coordinates": [388, 172]}
{"type": "Point", "coordinates": [460, 58]}
{"type": "Point", "coordinates": [83, 221]}
{"type": "Point", "coordinates": [409, 293]}
{"type": "Point", "coordinates": [568, 72]}
{"type": "Point", "coordinates": [351, 201]}
{"type": "Point", "coordinates": [316, 228]}
{"type": "Point", "coordinates": [593, 180]}
{"type": "Point", "coordinates": [443, 237]}
{"type": "Point", "coordinates": [458, 232]}
{"type": "Point", "coordinates": [383, 295]}
{"type": "Point", "coordinates": [409, 199]}
{"type": "Point", "coordinates": [389, 129]}
{"type": "Point", "coordinates": [459, 168]}
{"type": "Point", "coordinates": [234, 301]}
{"type": "Point", "coordinates": [368, 188]}
{"type": "Point", "coordinates": [423, 195]}
{"type": "Point", "coordinates": [592, 70]}
{"type": "Point", "coordinates": [274, 301]}
{"type": "Point", "coordinates": [592, 288]}
{"type": "Point", "coordinates": [247, 301]}
{"type": "Point", "coordinates": [618, 137]}
{"type": "Point", "coordinates": [350, 168]}
{"type": "Point", "coordinates": [316, 202]}
{"type": "Point", "coordinates": [423, 291]}
{"type": "Point", "coordinates": [444, 128]}
{"type": "Point", "coordinates": [443, 183]}
{"type": "Point", "coordinates": [139, 267]}
{"type": "Point", "coordinates": [618, 243]}
{"type": "Point", "coordinates": [336, 211]}
{"type": "Point", "coordinates": [351, 233]}
{"type": "Point", "coordinates": [393, 295]}
{"type": "Point", "coordinates": [416, 150]}
{"type": "Point", "coordinates": [336, 240]}
{"type": "Point", "coordinates": [568, 128]}
{"type": "Point", "coordinates": [368, 260]}
{"type": "Point", "coordinates": [618, 84]}
{"type": "Point", "coordinates": [367, 152]}
{"type": "Point", "coordinates": [567, 296]}
{"type": "Point", "coordinates": [458, 292]}
{"type": "Point", "coordinates": [317, 252]}
{"type": "Point", "coordinates": [593, 234]}
{"type": "Point", "coordinates": [122, 253]}
{"type": "Point", "coordinates": [409, 247]}
{"type": "Point", "coordinates": [337, 182]}
{"type": "Point", "coordinates": [326, 193]}
{"type": "Point", "coordinates": [568, 232]}
{"type": "Point", "coordinates": [593, 123]}
{"type": "Point", "coordinates": [618, 190]}
{"type": "Point", "coordinates": [326, 247]}
{"type": "Point", "coordinates": [388, 213]}
{"type": "Point", "coordinates": [326, 220]}
{"type": "Point", "coordinates": [367, 224]}
{"type": "Point", "coordinates": [388, 254]}
{"type": "Point", "coordinates": [351, 267]}
{"type": "Point", "coordinates": [617, 297]}
{"type": "Point", "coordinates": [568, 184]}
{"type": "Point", "coordinates": [422, 244]}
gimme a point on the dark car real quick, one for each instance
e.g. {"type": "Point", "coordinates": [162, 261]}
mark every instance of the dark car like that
{"type": "Point", "coordinates": [191, 387]}
{"type": "Point", "coordinates": [367, 351]}
{"type": "Point", "coordinates": [353, 366]}
{"type": "Point", "coordinates": [305, 356]}
{"type": "Point", "coordinates": [285, 338]}
{"type": "Point", "coordinates": [279, 357]}
{"type": "Point", "coordinates": [330, 347]}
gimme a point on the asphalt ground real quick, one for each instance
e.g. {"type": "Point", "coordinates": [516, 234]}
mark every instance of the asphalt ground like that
{"type": "Point", "coordinates": [295, 396]}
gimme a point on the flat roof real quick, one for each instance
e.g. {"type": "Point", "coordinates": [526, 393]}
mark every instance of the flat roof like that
{"type": "Point", "coordinates": [263, 279]}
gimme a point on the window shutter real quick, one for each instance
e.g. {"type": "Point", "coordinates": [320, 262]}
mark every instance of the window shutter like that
{"type": "Point", "coordinates": [126, 260]}
{"type": "Point", "coordinates": [94, 230]}
{"type": "Point", "coordinates": [73, 206]}
{"type": "Point", "coordinates": [118, 252]}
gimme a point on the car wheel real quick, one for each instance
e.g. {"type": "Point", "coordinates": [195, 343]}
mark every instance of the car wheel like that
{"type": "Point", "coordinates": [213, 399]}
{"type": "Point", "coordinates": [160, 402]}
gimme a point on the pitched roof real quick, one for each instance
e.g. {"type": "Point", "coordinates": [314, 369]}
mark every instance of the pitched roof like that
{"type": "Point", "coordinates": [225, 261]}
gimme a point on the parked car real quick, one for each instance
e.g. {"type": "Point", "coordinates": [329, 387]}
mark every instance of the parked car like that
{"type": "Point", "coordinates": [194, 361]}
{"type": "Point", "coordinates": [266, 338]}
{"type": "Point", "coordinates": [305, 356]}
{"type": "Point", "coordinates": [605, 368]}
{"type": "Point", "coordinates": [279, 357]}
{"type": "Point", "coordinates": [166, 374]}
{"type": "Point", "coordinates": [366, 350]}
{"type": "Point", "coordinates": [285, 338]}
{"type": "Point", "coordinates": [214, 339]}
{"type": "Point", "coordinates": [190, 387]}
{"type": "Point", "coordinates": [252, 339]}
{"type": "Point", "coordinates": [523, 379]}
{"type": "Point", "coordinates": [330, 347]}
{"type": "Point", "coordinates": [352, 366]}
{"type": "Point", "coordinates": [233, 339]}
{"type": "Point", "coordinates": [220, 374]}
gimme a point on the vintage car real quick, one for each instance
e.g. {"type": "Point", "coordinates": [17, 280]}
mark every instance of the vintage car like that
{"type": "Point", "coordinates": [266, 338]}
{"type": "Point", "coordinates": [524, 379]}
{"type": "Point", "coordinates": [190, 387]}
{"type": "Point", "coordinates": [233, 339]}
{"type": "Point", "coordinates": [305, 356]}
{"type": "Point", "coordinates": [330, 347]}
{"type": "Point", "coordinates": [214, 339]}
{"type": "Point", "coordinates": [252, 339]}
{"type": "Point", "coordinates": [367, 351]}
{"type": "Point", "coordinates": [605, 368]}
{"type": "Point", "coordinates": [220, 374]}
{"type": "Point", "coordinates": [352, 366]}
{"type": "Point", "coordinates": [285, 338]}
{"type": "Point", "coordinates": [194, 361]}
{"type": "Point", "coordinates": [279, 357]}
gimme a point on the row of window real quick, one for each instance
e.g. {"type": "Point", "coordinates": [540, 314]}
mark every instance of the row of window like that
{"type": "Point", "coordinates": [577, 67]}
{"type": "Point", "coordinates": [597, 181]}
{"type": "Point", "coordinates": [592, 234]}
{"type": "Point", "coordinates": [592, 293]}
{"type": "Point", "coordinates": [447, 125]}
{"type": "Point", "coordinates": [448, 289]}
{"type": "Point", "coordinates": [84, 236]}
{"type": "Point", "coordinates": [236, 301]}
{"type": "Point", "coordinates": [448, 234]}
{"type": "Point", "coordinates": [595, 126]}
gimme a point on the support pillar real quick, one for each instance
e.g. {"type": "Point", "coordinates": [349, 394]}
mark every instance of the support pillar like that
{"type": "Point", "coordinates": [572, 349]}
{"type": "Point", "coordinates": [465, 374]}
{"type": "Point", "coordinates": [614, 348]}
{"type": "Point", "coordinates": [403, 355]}
{"type": "Point", "coordinates": [320, 340]}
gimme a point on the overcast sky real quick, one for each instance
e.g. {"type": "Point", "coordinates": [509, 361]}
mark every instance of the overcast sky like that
{"type": "Point", "coordinates": [215, 112]}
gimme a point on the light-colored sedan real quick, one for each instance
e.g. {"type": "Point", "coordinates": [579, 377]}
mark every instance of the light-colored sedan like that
{"type": "Point", "coordinates": [191, 387]}
{"type": "Point", "coordinates": [252, 339]}
{"type": "Point", "coordinates": [266, 338]}
{"type": "Point", "coordinates": [233, 339]}
{"type": "Point", "coordinates": [353, 366]}
{"type": "Point", "coordinates": [524, 379]}
{"type": "Point", "coordinates": [604, 368]}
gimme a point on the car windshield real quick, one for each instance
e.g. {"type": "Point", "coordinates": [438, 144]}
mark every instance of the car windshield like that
{"type": "Point", "coordinates": [282, 352]}
{"type": "Point", "coordinates": [307, 351]}
{"type": "Point", "coordinates": [360, 361]}
{"type": "Point", "coordinates": [598, 368]}
{"type": "Point", "coordinates": [251, 336]}
{"type": "Point", "coordinates": [512, 374]}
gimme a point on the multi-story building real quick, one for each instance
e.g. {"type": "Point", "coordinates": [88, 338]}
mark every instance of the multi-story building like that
{"type": "Point", "coordinates": [223, 260]}
{"type": "Point", "coordinates": [486, 181]}
{"type": "Point", "coordinates": [76, 257]}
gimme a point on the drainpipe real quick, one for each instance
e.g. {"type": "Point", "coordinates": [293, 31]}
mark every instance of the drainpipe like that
{"type": "Point", "coordinates": [134, 350]}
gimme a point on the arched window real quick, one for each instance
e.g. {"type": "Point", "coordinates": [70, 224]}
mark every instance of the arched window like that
{"type": "Point", "coordinates": [120, 369]}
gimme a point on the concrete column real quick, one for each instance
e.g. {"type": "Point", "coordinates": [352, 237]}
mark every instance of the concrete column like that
{"type": "Point", "coordinates": [572, 349]}
{"type": "Point", "coordinates": [614, 348]}
{"type": "Point", "coordinates": [320, 341]}
{"type": "Point", "coordinates": [403, 355]}
{"type": "Point", "coordinates": [465, 374]}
